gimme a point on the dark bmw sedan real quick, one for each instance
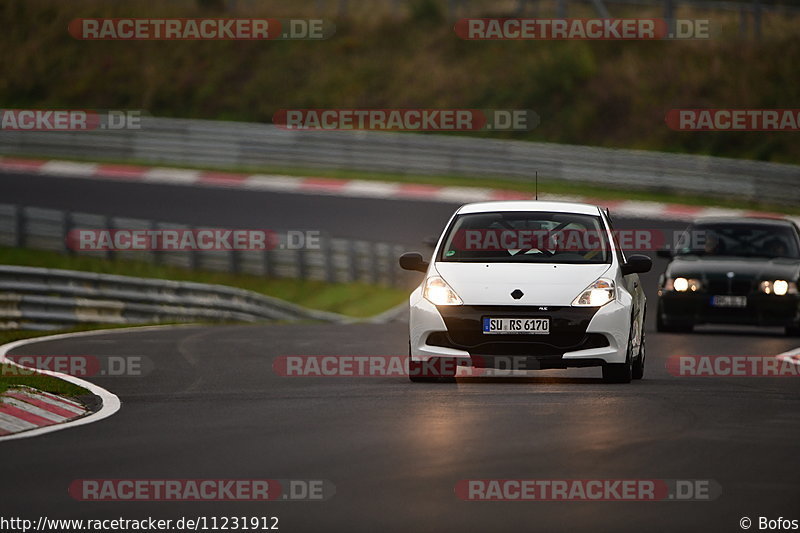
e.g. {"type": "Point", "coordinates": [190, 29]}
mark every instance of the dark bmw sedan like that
{"type": "Point", "coordinates": [732, 271]}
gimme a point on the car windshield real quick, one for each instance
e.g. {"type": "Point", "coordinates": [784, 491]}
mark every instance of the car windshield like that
{"type": "Point", "coordinates": [739, 240]}
{"type": "Point", "coordinates": [526, 237]}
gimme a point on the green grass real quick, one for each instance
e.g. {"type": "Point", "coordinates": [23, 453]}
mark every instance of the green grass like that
{"type": "Point", "coordinates": [12, 376]}
{"type": "Point", "coordinates": [352, 299]}
{"type": "Point", "coordinates": [7, 336]}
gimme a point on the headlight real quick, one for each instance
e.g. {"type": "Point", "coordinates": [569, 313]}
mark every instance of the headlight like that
{"type": "Point", "coordinates": [683, 284]}
{"type": "Point", "coordinates": [438, 292]}
{"type": "Point", "coordinates": [778, 287]}
{"type": "Point", "coordinates": [597, 294]}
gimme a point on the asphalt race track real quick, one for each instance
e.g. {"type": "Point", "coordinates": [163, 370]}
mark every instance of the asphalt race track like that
{"type": "Point", "coordinates": [212, 407]}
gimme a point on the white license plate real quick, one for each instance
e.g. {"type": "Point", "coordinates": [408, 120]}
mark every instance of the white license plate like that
{"type": "Point", "coordinates": [729, 301]}
{"type": "Point", "coordinates": [530, 326]}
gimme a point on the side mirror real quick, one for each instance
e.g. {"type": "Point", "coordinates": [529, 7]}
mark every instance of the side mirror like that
{"type": "Point", "coordinates": [667, 254]}
{"type": "Point", "coordinates": [413, 261]}
{"type": "Point", "coordinates": [637, 264]}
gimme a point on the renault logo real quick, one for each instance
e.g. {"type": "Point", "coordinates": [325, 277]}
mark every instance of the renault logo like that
{"type": "Point", "coordinates": [517, 294]}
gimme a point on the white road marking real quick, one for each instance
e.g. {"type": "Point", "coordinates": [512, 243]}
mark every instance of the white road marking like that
{"type": "Point", "coordinates": [174, 176]}
{"type": "Point", "coordinates": [68, 168]}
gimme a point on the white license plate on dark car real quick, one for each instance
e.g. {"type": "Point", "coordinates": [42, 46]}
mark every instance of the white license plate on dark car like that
{"type": "Point", "coordinates": [729, 301]}
{"type": "Point", "coordinates": [530, 326]}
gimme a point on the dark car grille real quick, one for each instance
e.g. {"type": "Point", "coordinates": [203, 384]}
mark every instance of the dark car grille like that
{"type": "Point", "coordinates": [740, 287]}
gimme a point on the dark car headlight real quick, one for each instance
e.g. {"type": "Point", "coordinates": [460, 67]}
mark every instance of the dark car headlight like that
{"type": "Point", "coordinates": [778, 287]}
{"type": "Point", "coordinates": [681, 284]}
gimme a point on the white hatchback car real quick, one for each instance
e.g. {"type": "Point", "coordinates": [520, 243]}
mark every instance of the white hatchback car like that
{"type": "Point", "coordinates": [527, 285]}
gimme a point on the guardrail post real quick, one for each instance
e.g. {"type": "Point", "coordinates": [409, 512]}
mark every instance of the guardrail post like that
{"type": "Point", "coordinates": [302, 262]}
{"type": "Point", "coordinates": [352, 260]}
{"type": "Point", "coordinates": [327, 259]}
{"type": "Point", "coordinates": [194, 255]}
{"type": "Point", "coordinates": [66, 227]}
{"type": "Point", "coordinates": [235, 263]}
{"type": "Point", "coordinates": [268, 263]}
{"type": "Point", "coordinates": [392, 266]}
{"type": "Point", "coordinates": [20, 227]}
{"type": "Point", "coordinates": [158, 255]}
{"type": "Point", "coordinates": [108, 222]}
{"type": "Point", "coordinates": [374, 263]}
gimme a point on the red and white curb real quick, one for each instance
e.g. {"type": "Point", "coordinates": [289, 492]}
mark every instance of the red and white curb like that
{"type": "Point", "coordinates": [352, 188]}
{"type": "Point", "coordinates": [38, 416]}
{"type": "Point", "coordinates": [792, 356]}
{"type": "Point", "coordinates": [24, 408]}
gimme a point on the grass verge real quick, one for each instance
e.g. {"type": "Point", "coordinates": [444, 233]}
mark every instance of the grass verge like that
{"type": "Point", "coordinates": [11, 375]}
{"type": "Point", "coordinates": [352, 299]}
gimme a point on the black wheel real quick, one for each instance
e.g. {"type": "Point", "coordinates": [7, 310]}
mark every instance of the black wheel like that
{"type": "Point", "coordinates": [638, 364]}
{"type": "Point", "coordinates": [663, 328]}
{"type": "Point", "coordinates": [620, 372]}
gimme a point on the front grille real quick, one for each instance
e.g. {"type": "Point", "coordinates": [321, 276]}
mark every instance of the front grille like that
{"type": "Point", "coordinates": [535, 346]}
{"type": "Point", "coordinates": [567, 325]}
{"type": "Point", "coordinates": [737, 287]}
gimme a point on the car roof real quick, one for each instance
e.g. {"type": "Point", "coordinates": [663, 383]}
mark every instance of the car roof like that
{"type": "Point", "coordinates": [530, 205]}
{"type": "Point", "coordinates": [750, 221]}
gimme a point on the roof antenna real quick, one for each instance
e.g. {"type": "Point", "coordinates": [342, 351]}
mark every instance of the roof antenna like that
{"type": "Point", "coordinates": [537, 184]}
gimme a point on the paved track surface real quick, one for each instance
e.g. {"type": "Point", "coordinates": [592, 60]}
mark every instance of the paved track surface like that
{"type": "Point", "coordinates": [367, 218]}
{"type": "Point", "coordinates": [213, 408]}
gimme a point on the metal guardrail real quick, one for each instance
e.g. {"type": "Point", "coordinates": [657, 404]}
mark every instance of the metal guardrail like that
{"type": "Point", "coordinates": [334, 260]}
{"type": "Point", "coordinates": [40, 298]}
{"type": "Point", "coordinates": [250, 145]}
{"type": "Point", "coordinates": [45, 299]}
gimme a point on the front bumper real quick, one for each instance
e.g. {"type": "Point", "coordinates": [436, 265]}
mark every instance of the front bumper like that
{"type": "Point", "coordinates": [579, 336]}
{"type": "Point", "coordinates": [694, 308]}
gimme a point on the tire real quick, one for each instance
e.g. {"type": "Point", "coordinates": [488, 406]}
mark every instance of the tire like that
{"type": "Point", "coordinates": [637, 372]}
{"type": "Point", "coordinates": [620, 372]}
{"type": "Point", "coordinates": [661, 327]}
